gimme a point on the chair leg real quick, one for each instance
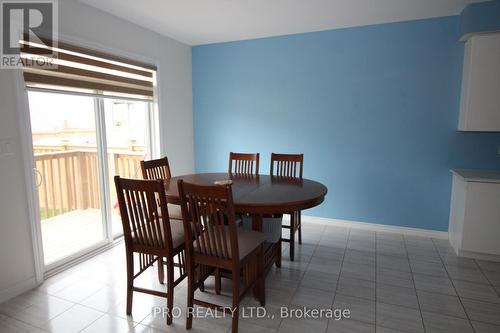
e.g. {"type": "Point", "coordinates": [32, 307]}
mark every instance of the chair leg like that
{"type": "Point", "coordinates": [217, 281]}
{"type": "Point", "coordinates": [130, 282]}
{"type": "Point", "coordinates": [292, 236]}
{"type": "Point", "coordinates": [170, 289]}
{"type": "Point", "coordinates": [260, 277]}
{"type": "Point", "coordinates": [299, 215]}
{"type": "Point", "coordinates": [202, 283]}
{"type": "Point", "coordinates": [190, 297]}
{"type": "Point", "coordinates": [236, 302]}
{"type": "Point", "coordinates": [278, 260]}
{"type": "Point", "coordinates": [161, 271]}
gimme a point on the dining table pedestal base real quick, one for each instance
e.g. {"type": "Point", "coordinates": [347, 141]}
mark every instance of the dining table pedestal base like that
{"type": "Point", "coordinates": [272, 251]}
{"type": "Point", "coordinates": [272, 255]}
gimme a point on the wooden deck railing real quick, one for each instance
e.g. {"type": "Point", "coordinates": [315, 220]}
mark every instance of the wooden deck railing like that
{"type": "Point", "coordinates": [69, 179]}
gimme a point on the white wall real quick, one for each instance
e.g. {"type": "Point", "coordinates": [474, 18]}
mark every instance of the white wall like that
{"type": "Point", "coordinates": [81, 23]}
{"type": "Point", "coordinates": [16, 255]}
{"type": "Point", "coordinates": [92, 26]}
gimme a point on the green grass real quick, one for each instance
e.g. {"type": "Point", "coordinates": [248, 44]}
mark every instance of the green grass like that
{"type": "Point", "coordinates": [49, 212]}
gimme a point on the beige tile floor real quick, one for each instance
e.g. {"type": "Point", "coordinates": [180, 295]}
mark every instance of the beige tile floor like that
{"type": "Point", "coordinates": [389, 282]}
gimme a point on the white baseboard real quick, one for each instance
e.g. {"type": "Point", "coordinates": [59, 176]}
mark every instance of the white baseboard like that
{"type": "Point", "coordinates": [375, 227]}
{"type": "Point", "coordinates": [17, 289]}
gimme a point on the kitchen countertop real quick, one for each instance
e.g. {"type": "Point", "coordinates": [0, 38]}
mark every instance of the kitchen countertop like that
{"type": "Point", "coordinates": [481, 176]}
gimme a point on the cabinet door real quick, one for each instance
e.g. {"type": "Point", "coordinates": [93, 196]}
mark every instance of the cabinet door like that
{"type": "Point", "coordinates": [481, 230]}
{"type": "Point", "coordinates": [480, 99]}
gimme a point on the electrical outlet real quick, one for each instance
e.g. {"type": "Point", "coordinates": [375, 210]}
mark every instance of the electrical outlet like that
{"type": "Point", "coordinates": [6, 148]}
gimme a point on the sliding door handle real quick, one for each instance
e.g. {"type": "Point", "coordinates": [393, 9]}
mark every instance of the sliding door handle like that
{"type": "Point", "coordinates": [38, 177]}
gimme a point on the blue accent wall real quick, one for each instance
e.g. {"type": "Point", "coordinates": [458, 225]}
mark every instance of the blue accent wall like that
{"type": "Point", "coordinates": [374, 110]}
{"type": "Point", "coordinates": [480, 17]}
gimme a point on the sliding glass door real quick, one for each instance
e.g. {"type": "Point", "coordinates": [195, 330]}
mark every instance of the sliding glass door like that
{"type": "Point", "coordinates": [79, 144]}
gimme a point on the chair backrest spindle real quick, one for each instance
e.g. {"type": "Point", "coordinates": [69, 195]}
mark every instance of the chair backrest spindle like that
{"type": "Point", "coordinates": [243, 163]}
{"type": "Point", "coordinates": [156, 169]}
{"type": "Point", "coordinates": [144, 213]}
{"type": "Point", "coordinates": [287, 165]}
{"type": "Point", "coordinates": [209, 220]}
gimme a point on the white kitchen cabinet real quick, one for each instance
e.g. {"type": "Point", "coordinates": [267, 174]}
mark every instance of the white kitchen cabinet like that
{"type": "Point", "coordinates": [474, 229]}
{"type": "Point", "coordinates": [480, 98]}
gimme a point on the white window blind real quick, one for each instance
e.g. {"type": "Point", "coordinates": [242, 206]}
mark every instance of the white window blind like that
{"type": "Point", "coordinates": [87, 72]}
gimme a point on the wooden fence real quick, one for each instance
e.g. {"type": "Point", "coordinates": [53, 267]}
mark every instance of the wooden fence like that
{"type": "Point", "coordinates": [69, 179]}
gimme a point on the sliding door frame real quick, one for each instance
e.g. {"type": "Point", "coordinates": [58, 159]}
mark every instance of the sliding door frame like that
{"type": "Point", "coordinates": [102, 160]}
{"type": "Point", "coordinates": [24, 122]}
{"type": "Point", "coordinates": [41, 271]}
{"type": "Point", "coordinates": [105, 183]}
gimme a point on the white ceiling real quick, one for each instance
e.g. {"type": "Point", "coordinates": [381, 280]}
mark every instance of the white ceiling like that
{"type": "Point", "coordinates": [197, 22]}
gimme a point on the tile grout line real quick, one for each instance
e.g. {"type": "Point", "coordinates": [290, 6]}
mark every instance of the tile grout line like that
{"type": "Point", "coordinates": [488, 279]}
{"type": "Point", "coordinates": [84, 328]}
{"type": "Point", "coordinates": [315, 245]}
{"type": "Point", "coordinates": [302, 276]}
{"type": "Point", "coordinates": [443, 294]}
{"type": "Point", "coordinates": [414, 286]}
{"type": "Point", "coordinates": [23, 322]}
{"type": "Point", "coordinates": [338, 277]}
{"type": "Point", "coordinates": [46, 322]}
{"type": "Point", "coordinates": [26, 323]}
{"type": "Point", "coordinates": [388, 284]}
{"type": "Point", "coordinates": [73, 303]}
{"type": "Point", "coordinates": [453, 284]}
{"type": "Point", "coordinates": [439, 293]}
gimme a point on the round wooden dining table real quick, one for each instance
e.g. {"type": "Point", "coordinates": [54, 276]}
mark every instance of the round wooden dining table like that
{"type": "Point", "coordinates": [259, 195]}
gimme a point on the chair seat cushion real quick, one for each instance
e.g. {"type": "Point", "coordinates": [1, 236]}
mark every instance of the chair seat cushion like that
{"type": "Point", "coordinates": [177, 230]}
{"type": "Point", "coordinates": [248, 241]}
{"type": "Point", "coordinates": [174, 212]}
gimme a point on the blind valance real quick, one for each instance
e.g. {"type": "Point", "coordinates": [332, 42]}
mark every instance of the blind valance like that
{"type": "Point", "coordinates": [69, 68]}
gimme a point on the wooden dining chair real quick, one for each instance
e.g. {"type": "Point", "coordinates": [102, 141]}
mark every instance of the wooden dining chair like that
{"type": "Point", "coordinates": [156, 169]}
{"type": "Point", "coordinates": [209, 220]}
{"type": "Point", "coordinates": [160, 169]}
{"type": "Point", "coordinates": [289, 166]}
{"type": "Point", "coordinates": [150, 235]}
{"type": "Point", "coordinates": [242, 163]}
